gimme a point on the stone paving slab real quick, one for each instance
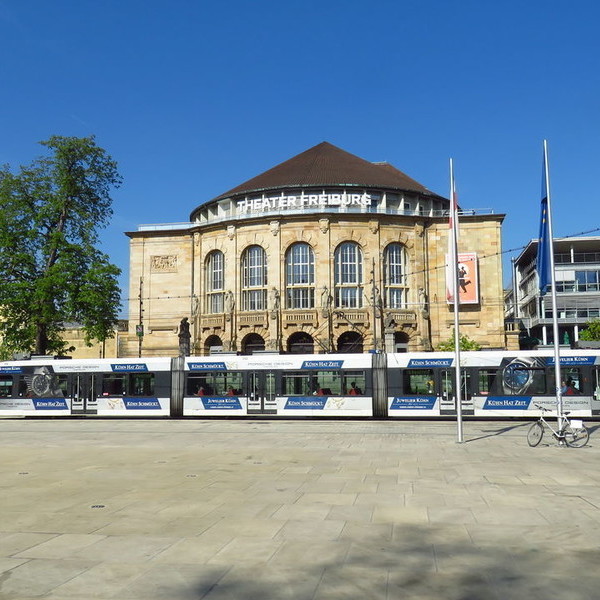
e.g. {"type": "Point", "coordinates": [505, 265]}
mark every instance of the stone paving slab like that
{"type": "Point", "coordinates": [311, 510]}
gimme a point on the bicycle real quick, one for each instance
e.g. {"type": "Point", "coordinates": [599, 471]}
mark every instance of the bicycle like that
{"type": "Point", "coordinates": [573, 433]}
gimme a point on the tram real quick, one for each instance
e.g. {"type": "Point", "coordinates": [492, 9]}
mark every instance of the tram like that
{"type": "Point", "coordinates": [494, 384]}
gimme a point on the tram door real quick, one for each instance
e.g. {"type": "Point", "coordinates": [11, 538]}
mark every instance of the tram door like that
{"type": "Point", "coordinates": [83, 394]}
{"type": "Point", "coordinates": [261, 393]}
{"type": "Point", "coordinates": [448, 401]}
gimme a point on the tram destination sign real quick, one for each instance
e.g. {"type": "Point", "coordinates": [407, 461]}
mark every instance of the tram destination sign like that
{"type": "Point", "coordinates": [302, 201]}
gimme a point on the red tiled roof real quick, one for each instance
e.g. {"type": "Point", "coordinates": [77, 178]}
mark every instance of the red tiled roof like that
{"type": "Point", "coordinates": [328, 165]}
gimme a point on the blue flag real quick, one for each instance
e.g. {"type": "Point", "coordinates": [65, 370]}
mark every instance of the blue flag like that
{"type": "Point", "coordinates": [544, 243]}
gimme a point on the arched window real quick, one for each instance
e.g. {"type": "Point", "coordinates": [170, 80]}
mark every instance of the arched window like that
{"type": "Point", "coordinates": [301, 343]}
{"type": "Point", "coordinates": [212, 344]}
{"type": "Point", "coordinates": [350, 342]}
{"type": "Point", "coordinates": [300, 276]}
{"type": "Point", "coordinates": [215, 282]}
{"type": "Point", "coordinates": [254, 279]}
{"type": "Point", "coordinates": [348, 275]}
{"type": "Point", "coordinates": [394, 278]}
{"type": "Point", "coordinates": [253, 343]}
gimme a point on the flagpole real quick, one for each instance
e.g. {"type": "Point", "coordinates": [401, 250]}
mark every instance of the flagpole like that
{"type": "Point", "coordinates": [456, 299]}
{"type": "Point", "coordinates": [550, 258]}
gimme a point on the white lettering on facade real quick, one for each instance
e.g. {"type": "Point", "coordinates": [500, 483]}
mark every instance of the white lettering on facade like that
{"type": "Point", "coordinates": [303, 201]}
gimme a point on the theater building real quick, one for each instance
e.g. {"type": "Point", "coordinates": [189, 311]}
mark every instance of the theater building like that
{"type": "Point", "coordinates": [325, 252]}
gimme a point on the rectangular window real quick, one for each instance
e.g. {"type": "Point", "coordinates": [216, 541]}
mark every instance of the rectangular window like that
{"type": "Point", "coordinates": [128, 384]}
{"type": "Point", "coordinates": [296, 384]}
{"type": "Point", "coordinates": [229, 383]}
{"type": "Point", "coordinates": [486, 378]}
{"type": "Point", "coordinates": [328, 383]}
{"type": "Point", "coordinates": [355, 383]}
{"type": "Point", "coordinates": [254, 300]}
{"type": "Point", "coordinates": [215, 303]}
{"type": "Point", "coordinates": [347, 298]}
{"type": "Point", "coordinates": [114, 385]}
{"type": "Point", "coordinates": [397, 297]}
{"type": "Point", "coordinates": [418, 381]}
{"type": "Point", "coordinates": [141, 384]}
{"type": "Point", "coordinates": [300, 298]}
{"type": "Point", "coordinates": [587, 281]}
{"type": "Point", "coordinates": [6, 384]}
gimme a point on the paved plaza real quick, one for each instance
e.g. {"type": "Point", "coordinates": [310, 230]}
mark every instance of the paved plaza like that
{"type": "Point", "coordinates": [310, 510]}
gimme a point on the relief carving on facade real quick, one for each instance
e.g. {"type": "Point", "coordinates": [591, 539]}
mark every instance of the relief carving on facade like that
{"type": "Point", "coordinates": [163, 263]}
{"type": "Point", "coordinates": [230, 231]}
{"type": "Point", "coordinates": [324, 225]}
{"type": "Point", "coordinates": [274, 227]}
{"type": "Point", "coordinates": [373, 226]}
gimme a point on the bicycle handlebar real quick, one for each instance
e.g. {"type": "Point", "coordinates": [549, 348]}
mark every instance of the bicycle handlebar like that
{"type": "Point", "coordinates": [565, 413]}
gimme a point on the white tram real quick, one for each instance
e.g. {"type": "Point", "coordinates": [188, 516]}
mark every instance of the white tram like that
{"type": "Point", "coordinates": [410, 385]}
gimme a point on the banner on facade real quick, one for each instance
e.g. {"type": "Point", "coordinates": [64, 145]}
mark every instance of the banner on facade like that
{"type": "Point", "coordinates": [468, 279]}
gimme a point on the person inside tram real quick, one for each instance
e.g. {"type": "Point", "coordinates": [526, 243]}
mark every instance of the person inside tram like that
{"type": "Point", "coordinates": [567, 388]}
{"type": "Point", "coordinates": [231, 391]}
{"type": "Point", "coordinates": [200, 391]}
{"type": "Point", "coordinates": [354, 391]}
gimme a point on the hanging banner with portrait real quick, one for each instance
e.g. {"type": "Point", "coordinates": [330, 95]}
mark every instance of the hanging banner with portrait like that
{"type": "Point", "coordinates": [468, 279]}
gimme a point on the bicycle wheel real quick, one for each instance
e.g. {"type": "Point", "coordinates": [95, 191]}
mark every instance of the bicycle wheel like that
{"type": "Point", "coordinates": [535, 434]}
{"type": "Point", "coordinates": [576, 437]}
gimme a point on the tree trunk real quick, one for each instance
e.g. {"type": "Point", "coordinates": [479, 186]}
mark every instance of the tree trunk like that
{"type": "Point", "coordinates": [41, 339]}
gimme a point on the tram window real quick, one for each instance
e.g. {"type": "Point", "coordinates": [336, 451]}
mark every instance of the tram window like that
{"type": "Point", "coordinates": [354, 380]}
{"type": "Point", "coordinates": [419, 381]}
{"type": "Point", "coordinates": [197, 385]}
{"type": "Point", "coordinates": [233, 384]}
{"type": "Point", "coordinates": [62, 385]}
{"type": "Point", "coordinates": [141, 384]}
{"type": "Point", "coordinates": [114, 385]}
{"type": "Point", "coordinates": [486, 380]}
{"type": "Point", "coordinates": [296, 384]}
{"type": "Point", "coordinates": [572, 377]}
{"type": "Point", "coordinates": [6, 383]}
{"type": "Point", "coordinates": [215, 384]}
{"type": "Point", "coordinates": [224, 384]}
{"type": "Point", "coordinates": [328, 383]}
{"type": "Point", "coordinates": [597, 384]}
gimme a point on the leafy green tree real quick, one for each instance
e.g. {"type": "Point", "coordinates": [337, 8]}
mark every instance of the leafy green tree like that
{"type": "Point", "coordinates": [51, 271]}
{"type": "Point", "coordinates": [465, 344]}
{"type": "Point", "coordinates": [591, 333]}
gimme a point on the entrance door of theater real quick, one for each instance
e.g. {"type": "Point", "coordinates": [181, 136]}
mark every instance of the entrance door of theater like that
{"type": "Point", "coordinates": [84, 400]}
{"type": "Point", "coordinates": [261, 393]}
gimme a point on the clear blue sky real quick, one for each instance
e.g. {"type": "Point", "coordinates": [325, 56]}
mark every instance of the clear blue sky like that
{"type": "Point", "coordinates": [194, 97]}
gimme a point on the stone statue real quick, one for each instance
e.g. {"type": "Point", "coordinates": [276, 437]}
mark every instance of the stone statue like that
{"type": "Point", "coordinates": [275, 300]}
{"type": "Point", "coordinates": [423, 303]}
{"type": "Point", "coordinates": [325, 301]}
{"type": "Point", "coordinates": [184, 337]}
{"type": "Point", "coordinates": [325, 298]}
{"type": "Point", "coordinates": [229, 302]}
{"type": "Point", "coordinates": [388, 321]}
